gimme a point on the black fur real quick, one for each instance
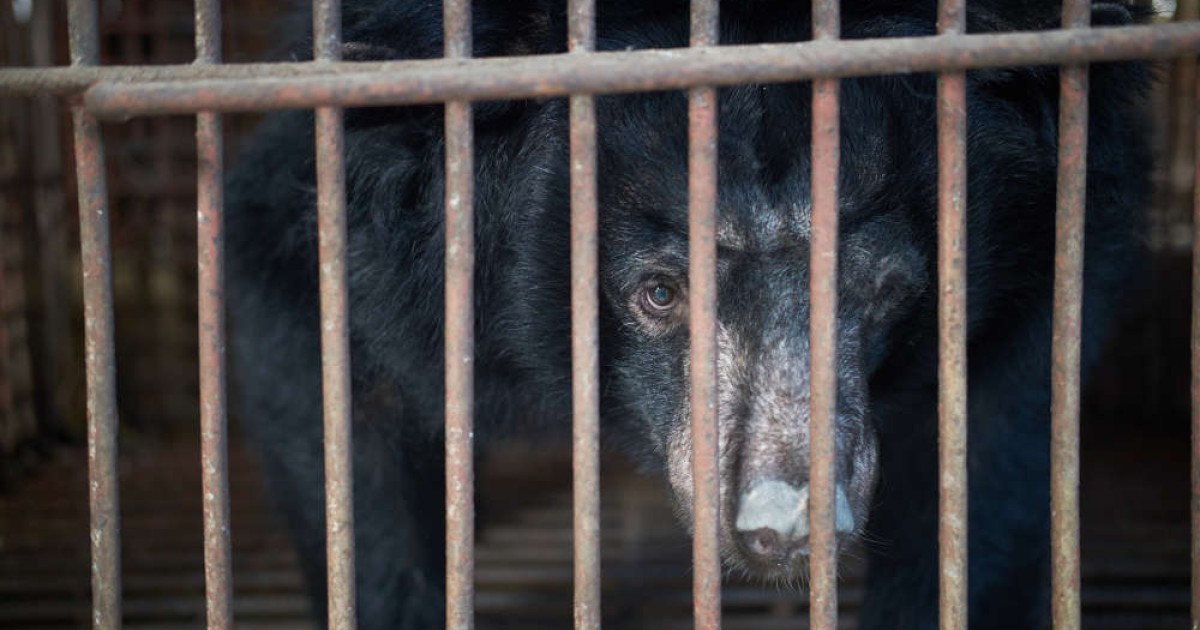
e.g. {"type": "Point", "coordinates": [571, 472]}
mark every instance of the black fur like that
{"type": "Point", "coordinates": [887, 354]}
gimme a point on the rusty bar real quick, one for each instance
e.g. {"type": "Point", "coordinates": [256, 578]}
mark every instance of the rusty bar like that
{"type": "Point", "coordinates": [1196, 383]}
{"type": "Point", "coordinates": [432, 81]}
{"type": "Point", "coordinates": [104, 495]}
{"type": "Point", "coordinates": [460, 341]}
{"type": "Point", "coordinates": [764, 62]}
{"type": "Point", "coordinates": [585, 338]}
{"type": "Point", "coordinates": [84, 33]}
{"type": "Point", "coordinates": [826, 155]}
{"type": "Point", "coordinates": [1068, 298]}
{"type": "Point", "coordinates": [702, 273]}
{"type": "Point", "coordinates": [335, 336]}
{"type": "Point", "coordinates": [210, 257]}
{"type": "Point", "coordinates": [730, 65]}
{"type": "Point", "coordinates": [100, 348]}
{"type": "Point", "coordinates": [952, 335]}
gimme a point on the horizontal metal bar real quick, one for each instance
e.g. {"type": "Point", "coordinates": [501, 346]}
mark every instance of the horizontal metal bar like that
{"type": "Point", "coordinates": [67, 80]}
{"type": "Point", "coordinates": [184, 89]}
{"type": "Point", "coordinates": [556, 75]}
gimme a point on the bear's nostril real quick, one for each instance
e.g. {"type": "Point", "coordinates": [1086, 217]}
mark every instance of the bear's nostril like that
{"type": "Point", "coordinates": [764, 542]}
{"type": "Point", "coordinates": [767, 545]}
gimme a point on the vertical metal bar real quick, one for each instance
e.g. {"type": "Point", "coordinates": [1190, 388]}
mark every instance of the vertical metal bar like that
{"type": "Point", "coordinates": [104, 497]}
{"type": "Point", "coordinates": [335, 337]}
{"type": "Point", "coordinates": [1196, 382]}
{"type": "Point", "coordinates": [702, 271]}
{"type": "Point", "coordinates": [460, 342]}
{"type": "Point", "coordinates": [823, 270]}
{"type": "Point", "coordinates": [585, 337]}
{"type": "Point", "coordinates": [210, 254]}
{"type": "Point", "coordinates": [1068, 297]}
{"type": "Point", "coordinates": [104, 494]}
{"type": "Point", "coordinates": [952, 336]}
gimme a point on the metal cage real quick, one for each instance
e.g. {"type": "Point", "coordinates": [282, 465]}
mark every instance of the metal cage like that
{"type": "Point", "coordinates": [207, 88]}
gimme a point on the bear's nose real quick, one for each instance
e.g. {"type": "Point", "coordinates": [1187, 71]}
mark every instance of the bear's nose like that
{"type": "Point", "coordinates": [772, 520]}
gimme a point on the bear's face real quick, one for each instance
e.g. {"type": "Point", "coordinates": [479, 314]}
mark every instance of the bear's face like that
{"type": "Point", "coordinates": [763, 235]}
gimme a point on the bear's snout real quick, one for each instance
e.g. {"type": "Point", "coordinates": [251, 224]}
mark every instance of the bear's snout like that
{"type": "Point", "coordinates": [772, 521]}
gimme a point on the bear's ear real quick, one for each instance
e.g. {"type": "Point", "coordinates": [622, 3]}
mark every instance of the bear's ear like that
{"type": "Point", "coordinates": [1119, 14]}
{"type": "Point", "coordinates": [387, 30]}
{"type": "Point", "coordinates": [1036, 15]}
{"type": "Point", "coordinates": [1006, 15]}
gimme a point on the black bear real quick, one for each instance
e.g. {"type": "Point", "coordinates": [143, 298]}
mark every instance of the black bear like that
{"type": "Point", "coordinates": [886, 431]}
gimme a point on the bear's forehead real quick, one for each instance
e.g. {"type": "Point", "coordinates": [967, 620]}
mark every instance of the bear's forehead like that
{"type": "Point", "coordinates": [763, 227]}
{"type": "Point", "coordinates": [764, 143]}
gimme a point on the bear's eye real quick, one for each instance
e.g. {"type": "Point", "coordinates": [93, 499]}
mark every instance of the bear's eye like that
{"type": "Point", "coordinates": [659, 298]}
